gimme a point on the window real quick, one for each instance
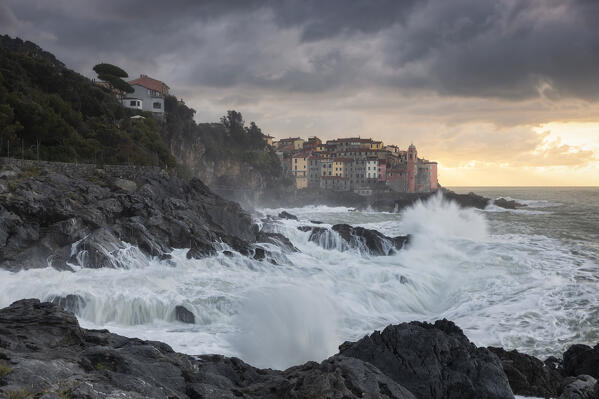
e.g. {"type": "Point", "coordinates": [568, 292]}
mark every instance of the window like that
{"type": "Point", "coordinates": [132, 103]}
{"type": "Point", "coordinates": [157, 105]}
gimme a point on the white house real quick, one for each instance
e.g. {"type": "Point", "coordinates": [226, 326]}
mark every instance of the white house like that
{"type": "Point", "coordinates": [133, 103]}
{"type": "Point", "coordinates": [150, 92]}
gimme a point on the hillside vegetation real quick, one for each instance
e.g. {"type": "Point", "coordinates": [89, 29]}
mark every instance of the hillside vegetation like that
{"type": "Point", "coordinates": [49, 111]}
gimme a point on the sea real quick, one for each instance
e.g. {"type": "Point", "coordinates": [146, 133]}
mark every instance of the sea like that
{"type": "Point", "coordinates": [525, 279]}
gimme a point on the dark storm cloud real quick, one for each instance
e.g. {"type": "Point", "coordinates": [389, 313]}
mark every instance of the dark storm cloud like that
{"type": "Point", "coordinates": [479, 48]}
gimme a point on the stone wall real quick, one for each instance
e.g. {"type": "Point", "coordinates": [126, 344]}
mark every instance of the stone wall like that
{"type": "Point", "coordinates": [129, 172]}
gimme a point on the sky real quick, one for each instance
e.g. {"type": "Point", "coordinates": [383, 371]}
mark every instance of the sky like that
{"type": "Point", "coordinates": [499, 92]}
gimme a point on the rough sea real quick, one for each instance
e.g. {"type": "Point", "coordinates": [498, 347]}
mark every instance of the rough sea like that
{"type": "Point", "coordinates": [525, 279]}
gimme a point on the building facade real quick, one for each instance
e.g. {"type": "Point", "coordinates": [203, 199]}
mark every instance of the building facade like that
{"type": "Point", "coordinates": [151, 93]}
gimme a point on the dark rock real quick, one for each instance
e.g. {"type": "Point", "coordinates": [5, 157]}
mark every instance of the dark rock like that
{"type": "Point", "coordinates": [51, 355]}
{"type": "Point", "coordinates": [372, 241]}
{"type": "Point", "coordinates": [315, 222]}
{"type": "Point", "coordinates": [184, 315]}
{"type": "Point", "coordinates": [528, 375]}
{"type": "Point", "coordinates": [71, 303]}
{"type": "Point", "coordinates": [470, 200]}
{"type": "Point", "coordinates": [581, 387]}
{"type": "Point", "coordinates": [582, 359]}
{"type": "Point", "coordinates": [507, 204]}
{"type": "Point", "coordinates": [259, 253]}
{"type": "Point", "coordinates": [43, 215]}
{"type": "Point", "coordinates": [276, 239]}
{"type": "Point", "coordinates": [287, 215]}
{"type": "Point", "coordinates": [433, 361]}
{"type": "Point", "coordinates": [403, 280]}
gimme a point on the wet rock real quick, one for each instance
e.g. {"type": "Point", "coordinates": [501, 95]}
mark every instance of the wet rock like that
{"type": "Point", "coordinates": [581, 387]}
{"type": "Point", "coordinates": [277, 239]}
{"type": "Point", "coordinates": [528, 375]}
{"type": "Point", "coordinates": [507, 204]}
{"type": "Point", "coordinates": [470, 200]}
{"type": "Point", "coordinates": [377, 243]}
{"type": "Point", "coordinates": [51, 355]}
{"type": "Point", "coordinates": [287, 215]}
{"type": "Point", "coordinates": [44, 215]}
{"type": "Point", "coordinates": [372, 241]}
{"type": "Point", "coordinates": [98, 249]}
{"type": "Point", "coordinates": [433, 361]}
{"type": "Point", "coordinates": [184, 315]}
{"type": "Point", "coordinates": [582, 359]}
{"type": "Point", "coordinates": [70, 303]}
{"type": "Point", "coordinates": [403, 280]}
{"type": "Point", "coordinates": [259, 253]}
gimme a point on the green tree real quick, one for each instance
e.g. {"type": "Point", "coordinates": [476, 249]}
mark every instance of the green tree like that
{"type": "Point", "coordinates": [113, 75]}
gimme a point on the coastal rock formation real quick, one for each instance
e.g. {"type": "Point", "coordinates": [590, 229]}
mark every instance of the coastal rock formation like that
{"type": "Point", "coordinates": [184, 315]}
{"type": "Point", "coordinates": [85, 216]}
{"type": "Point", "coordinates": [582, 359]}
{"type": "Point", "coordinates": [287, 215]}
{"type": "Point", "coordinates": [370, 241]}
{"type": "Point", "coordinates": [507, 204]}
{"type": "Point", "coordinates": [581, 387]}
{"type": "Point", "coordinates": [394, 202]}
{"type": "Point", "coordinates": [433, 361]}
{"type": "Point", "coordinates": [43, 351]}
{"type": "Point", "coordinates": [528, 375]}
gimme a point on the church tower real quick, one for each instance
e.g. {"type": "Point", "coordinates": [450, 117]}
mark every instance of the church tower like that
{"type": "Point", "coordinates": [412, 163]}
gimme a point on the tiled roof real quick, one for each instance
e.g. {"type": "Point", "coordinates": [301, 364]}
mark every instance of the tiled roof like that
{"type": "Point", "coordinates": [149, 83]}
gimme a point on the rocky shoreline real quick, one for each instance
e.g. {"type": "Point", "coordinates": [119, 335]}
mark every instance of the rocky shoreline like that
{"type": "Point", "coordinates": [382, 202]}
{"type": "Point", "coordinates": [84, 216]}
{"type": "Point", "coordinates": [44, 353]}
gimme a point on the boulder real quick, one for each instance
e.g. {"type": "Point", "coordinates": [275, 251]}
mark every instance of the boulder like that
{"type": "Point", "coordinates": [125, 185]}
{"type": "Point", "coordinates": [582, 359]}
{"type": "Point", "coordinates": [528, 375]}
{"type": "Point", "coordinates": [581, 387]}
{"type": "Point", "coordinates": [277, 239]}
{"type": "Point", "coordinates": [371, 241]}
{"type": "Point", "coordinates": [433, 361]}
{"type": "Point", "coordinates": [287, 215]}
{"type": "Point", "coordinates": [184, 315]}
{"type": "Point", "coordinates": [507, 204]}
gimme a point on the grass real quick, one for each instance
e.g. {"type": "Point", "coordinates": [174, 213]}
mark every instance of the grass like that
{"type": "Point", "coordinates": [20, 394]}
{"type": "Point", "coordinates": [4, 370]}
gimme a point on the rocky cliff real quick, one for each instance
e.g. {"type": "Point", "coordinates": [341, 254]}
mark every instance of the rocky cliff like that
{"type": "Point", "coordinates": [65, 214]}
{"type": "Point", "coordinates": [231, 158]}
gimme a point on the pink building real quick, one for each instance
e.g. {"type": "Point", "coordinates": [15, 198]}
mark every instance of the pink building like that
{"type": "Point", "coordinates": [382, 170]}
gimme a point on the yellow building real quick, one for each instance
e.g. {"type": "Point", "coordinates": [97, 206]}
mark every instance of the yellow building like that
{"type": "Point", "coordinates": [299, 169]}
{"type": "Point", "coordinates": [339, 166]}
{"type": "Point", "coordinates": [376, 145]}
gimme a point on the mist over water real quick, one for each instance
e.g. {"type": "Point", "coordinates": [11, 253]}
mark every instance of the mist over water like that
{"type": "Point", "coordinates": [524, 279]}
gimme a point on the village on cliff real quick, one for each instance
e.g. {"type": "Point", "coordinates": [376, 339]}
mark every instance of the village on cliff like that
{"type": "Point", "coordinates": [364, 166]}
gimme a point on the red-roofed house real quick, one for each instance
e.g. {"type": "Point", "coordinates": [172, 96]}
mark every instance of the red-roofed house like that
{"type": "Point", "coordinates": [150, 92]}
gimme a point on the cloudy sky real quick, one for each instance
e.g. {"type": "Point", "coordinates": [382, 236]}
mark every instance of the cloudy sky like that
{"type": "Point", "coordinates": [500, 92]}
